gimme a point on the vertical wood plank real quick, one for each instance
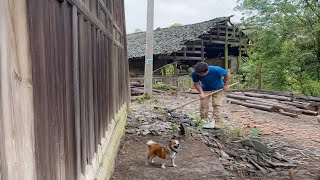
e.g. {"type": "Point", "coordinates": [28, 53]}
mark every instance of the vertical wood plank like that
{"type": "Point", "coordinates": [76, 84]}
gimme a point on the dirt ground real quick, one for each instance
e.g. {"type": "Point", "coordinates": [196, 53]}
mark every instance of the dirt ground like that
{"type": "Point", "coordinates": [297, 139]}
{"type": "Point", "coordinates": [194, 161]}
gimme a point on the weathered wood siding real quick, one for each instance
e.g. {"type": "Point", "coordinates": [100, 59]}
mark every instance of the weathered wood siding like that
{"type": "Point", "coordinates": [80, 80]}
{"type": "Point", "coordinates": [16, 103]}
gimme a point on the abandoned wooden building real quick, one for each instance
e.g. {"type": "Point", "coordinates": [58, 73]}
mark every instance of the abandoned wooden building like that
{"type": "Point", "coordinates": [64, 88]}
{"type": "Point", "coordinates": [186, 45]}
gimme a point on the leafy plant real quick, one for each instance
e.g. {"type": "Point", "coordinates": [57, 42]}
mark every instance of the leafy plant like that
{"type": "Point", "coordinates": [255, 132]}
{"type": "Point", "coordinates": [168, 70]}
{"type": "Point", "coordinates": [176, 25]}
{"type": "Point", "coordinates": [175, 127]}
{"type": "Point", "coordinates": [185, 83]}
{"type": "Point", "coordinates": [160, 110]}
{"type": "Point", "coordinates": [236, 132]}
{"type": "Point", "coordinates": [142, 98]}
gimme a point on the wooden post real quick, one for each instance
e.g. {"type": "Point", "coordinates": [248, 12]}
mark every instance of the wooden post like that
{"type": "Point", "coordinates": [149, 49]}
{"type": "Point", "coordinates": [193, 47]}
{"type": "Point", "coordinates": [260, 77]}
{"type": "Point", "coordinates": [202, 49]}
{"type": "Point", "coordinates": [226, 51]}
{"type": "Point", "coordinates": [218, 30]}
{"type": "Point", "coordinates": [239, 59]}
{"type": "Point", "coordinates": [240, 53]}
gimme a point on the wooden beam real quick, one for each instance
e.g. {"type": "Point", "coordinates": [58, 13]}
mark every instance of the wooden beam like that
{"type": "Point", "coordinates": [190, 52]}
{"type": "Point", "coordinates": [180, 58]}
{"type": "Point", "coordinates": [221, 42]}
{"type": "Point", "coordinates": [194, 46]}
{"type": "Point", "coordinates": [94, 20]}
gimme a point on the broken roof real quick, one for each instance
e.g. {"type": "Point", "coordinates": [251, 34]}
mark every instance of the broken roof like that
{"type": "Point", "coordinates": [168, 40]}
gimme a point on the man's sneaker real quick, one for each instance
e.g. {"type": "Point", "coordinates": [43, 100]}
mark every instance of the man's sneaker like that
{"type": "Point", "coordinates": [209, 125]}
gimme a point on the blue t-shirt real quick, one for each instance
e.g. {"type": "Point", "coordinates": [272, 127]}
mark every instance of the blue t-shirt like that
{"type": "Point", "coordinates": [212, 81]}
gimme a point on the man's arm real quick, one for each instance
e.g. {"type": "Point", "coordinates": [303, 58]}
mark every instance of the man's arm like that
{"type": "Point", "coordinates": [199, 88]}
{"type": "Point", "coordinates": [226, 82]}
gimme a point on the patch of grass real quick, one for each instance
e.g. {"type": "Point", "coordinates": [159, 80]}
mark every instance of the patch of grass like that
{"type": "Point", "coordinates": [159, 85]}
{"type": "Point", "coordinates": [160, 110]}
{"type": "Point", "coordinates": [199, 122]}
{"type": "Point", "coordinates": [164, 87]}
{"type": "Point", "coordinates": [236, 132]}
{"type": "Point", "coordinates": [184, 83]}
{"type": "Point", "coordinates": [175, 127]}
{"type": "Point", "coordinates": [143, 98]}
{"type": "Point", "coordinates": [255, 132]}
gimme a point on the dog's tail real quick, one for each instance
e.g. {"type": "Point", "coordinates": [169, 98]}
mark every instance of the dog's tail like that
{"type": "Point", "coordinates": [149, 143]}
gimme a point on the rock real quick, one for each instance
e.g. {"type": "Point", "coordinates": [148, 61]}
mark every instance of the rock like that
{"type": "Point", "coordinates": [131, 131]}
{"type": "Point", "coordinates": [145, 132]}
{"type": "Point", "coordinates": [318, 118]}
{"type": "Point", "coordinates": [145, 127]}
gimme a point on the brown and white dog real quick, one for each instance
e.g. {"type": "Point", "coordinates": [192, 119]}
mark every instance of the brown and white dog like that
{"type": "Point", "coordinates": [164, 152]}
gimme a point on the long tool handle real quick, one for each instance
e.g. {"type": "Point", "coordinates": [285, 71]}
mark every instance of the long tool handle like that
{"type": "Point", "coordinates": [214, 92]}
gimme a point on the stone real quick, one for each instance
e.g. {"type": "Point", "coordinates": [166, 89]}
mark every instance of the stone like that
{"type": "Point", "coordinates": [318, 118]}
{"type": "Point", "coordinates": [145, 127]}
{"type": "Point", "coordinates": [131, 131]}
{"type": "Point", "coordinates": [145, 132]}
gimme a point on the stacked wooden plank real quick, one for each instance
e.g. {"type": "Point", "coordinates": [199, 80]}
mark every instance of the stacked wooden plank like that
{"type": "Point", "coordinates": [137, 89]}
{"type": "Point", "coordinates": [281, 102]}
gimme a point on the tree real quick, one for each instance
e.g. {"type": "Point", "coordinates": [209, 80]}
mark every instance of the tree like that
{"type": "Point", "coordinates": [137, 30]}
{"type": "Point", "coordinates": [285, 38]}
{"type": "Point", "coordinates": [175, 25]}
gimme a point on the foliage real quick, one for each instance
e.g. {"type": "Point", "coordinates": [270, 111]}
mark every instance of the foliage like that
{"type": "Point", "coordinates": [199, 122]}
{"type": "Point", "coordinates": [168, 70]}
{"type": "Point", "coordinates": [185, 82]}
{"type": "Point", "coordinates": [175, 127]}
{"type": "Point", "coordinates": [137, 30]}
{"type": "Point", "coordinates": [143, 98]}
{"type": "Point", "coordinates": [255, 132]}
{"type": "Point", "coordinates": [176, 25]}
{"type": "Point", "coordinates": [160, 111]}
{"type": "Point", "coordinates": [285, 39]}
{"type": "Point", "coordinates": [165, 87]}
{"type": "Point", "coordinates": [236, 132]}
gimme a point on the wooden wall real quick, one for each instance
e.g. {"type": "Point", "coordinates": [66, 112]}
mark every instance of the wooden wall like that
{"type": "Point", "coordinates": [17, 156]}
{"type": "Point", "coordinates": [80, 80]}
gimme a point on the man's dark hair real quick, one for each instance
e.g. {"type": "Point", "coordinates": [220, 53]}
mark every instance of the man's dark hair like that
{"type": "Point", "coordinates": [201, 67]}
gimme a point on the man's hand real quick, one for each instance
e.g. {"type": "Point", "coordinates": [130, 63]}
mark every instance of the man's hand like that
{"type": "Point", "coordinates": [226, 87]}
{"type": "Point", "coordinates": [202, 95]}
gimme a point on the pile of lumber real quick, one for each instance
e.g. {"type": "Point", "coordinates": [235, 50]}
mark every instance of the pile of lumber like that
{"type": "Point", "coordinates": [137, 89]}
{"type": "Point", "coordinates": [284, 103]}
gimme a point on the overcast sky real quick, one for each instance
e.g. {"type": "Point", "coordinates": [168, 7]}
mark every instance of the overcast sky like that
{"type": "Point", "coordinates": [167, 12]}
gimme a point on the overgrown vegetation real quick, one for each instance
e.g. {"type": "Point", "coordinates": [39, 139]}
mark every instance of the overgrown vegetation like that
{"type": "Point", "coordinates": [199, 122]}
{"type": "Point", "coordinates": [168, 70]}
{"type": "Point", "coordinates": [184, 83]}
{"type": "Point", "coordinates": [285, 40]}
{"type": "Point", "coordinates": [143, 98]}
{"type": "Point", "coordinates": [164, 87]}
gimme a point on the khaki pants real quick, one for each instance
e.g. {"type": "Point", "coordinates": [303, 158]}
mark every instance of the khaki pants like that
{"type": "Point", "coordinates": [217, 99]}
